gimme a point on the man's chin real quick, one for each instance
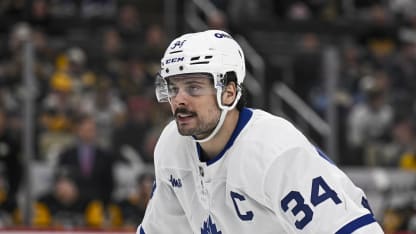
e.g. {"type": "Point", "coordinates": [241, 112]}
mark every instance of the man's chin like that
{"type": "Point", "coordinates": [184, 132]}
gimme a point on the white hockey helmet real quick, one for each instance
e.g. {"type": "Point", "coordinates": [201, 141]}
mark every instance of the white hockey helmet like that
{"type": "Point", "coordinates": [212, 51]}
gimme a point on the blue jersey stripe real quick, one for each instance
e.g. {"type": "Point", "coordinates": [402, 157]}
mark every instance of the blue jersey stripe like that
{"type": "Point", "coordinates": [141, 230]}
{"type": "Point", "coordinates": [323, 155]}
{"type": "Point", "coordinates": [356, 224]}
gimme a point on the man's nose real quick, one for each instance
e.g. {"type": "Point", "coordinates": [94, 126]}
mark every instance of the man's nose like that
{"type": "Point", "coordinates": [181, 96]}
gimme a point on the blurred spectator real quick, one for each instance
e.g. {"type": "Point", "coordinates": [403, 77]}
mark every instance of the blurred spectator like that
{"type": "Point", "coordinates": [59, 104]}
{"type": "Point", "coordinates": [403, 74]}
{"type": "Point", "coordinates": [404, 133]}
{"type": "Point", "coordinates": [64, 8]}
{"type": "Point", "coordinates": [217, 20]}
{"type": "Point", "coordinates": [393, 221]}
{"type": "Point", "coordinates": [136, 80]}
{"type": "Point", "coordinates": [399, 217]}
{"type": "Point", "coordinates": [12, 9]}
{"type": "Point", "coordinates": [129, 24]}
{"type": "Point", "coordinates": [307, 67]}
{"type": "Point", "coordinates": [10, 173]}
{"type": "Point", "coordinates": [242, 12]}
{"type": "Point", "coordinates": [352, 69]}
{"type": "Point", "coordinates": [304, 9]}
{"type": "Point", "coordinates": [98, 8]}
{"type": "Point", "coordinates": [64, 207]}
{"type": "Point", "coordinates": [43, 66]}
{"type": "Point", "coordinates": [77, 68]}
{"type": "Point", "coordinates": [318, 7]}
{"type": "Point", "coordinates": [369, 122]}
{"type": "Point", "coordinates": [155, 45]}
{"type": "Point", "coordinates": [150, 142]}
{"type": "Point", "coordinates": [91, 165]}
{"type": "Point", "coordinates": [400, 150]}
{"type": "Point", "coordinates": [133, 207]}
{"type": "Point", "coordinates": [407, 26]}
{"type": "Point", "coordinates": [40, 15]}
{"type": "Point", "coordinates": [133, 132]}
{"type": "Point", "coordinates": [347, 93]}
{"type": "Point", "coordinates": [112, 54]}
{"type": "Point", "coordinates": [11, 68]}
{"type": "Point", "coordinates": [379, 37]}
{"type": "Point", "coordinates": [299, 11]}
{"type": "Point", "coordinates": [112, 43]}
{"type": "Point", "coordinates": [106, 107]}
{"type": "Point", "coordinates": [11, 65]}
{"type": "Point", "coordinates": [10, 103]}
{"type": "Point", "coordinates": [403, 8]}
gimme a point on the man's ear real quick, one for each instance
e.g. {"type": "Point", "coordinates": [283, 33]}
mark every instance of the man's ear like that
{"type": "Point", "coordinates": [229, 94]}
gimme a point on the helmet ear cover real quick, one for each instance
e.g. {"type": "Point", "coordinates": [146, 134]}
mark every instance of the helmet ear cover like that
{"type": "Point", "coordinates": [228, 78]}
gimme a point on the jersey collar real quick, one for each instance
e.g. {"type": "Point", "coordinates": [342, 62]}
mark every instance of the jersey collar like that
{"type": "Point", "coordinates": [244, 117]}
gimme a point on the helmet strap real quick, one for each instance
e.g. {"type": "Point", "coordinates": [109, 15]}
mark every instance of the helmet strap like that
{"type": "Point", "coordinates": [224, 111]}
{"type": "Point", "coordinates": [216, 129]}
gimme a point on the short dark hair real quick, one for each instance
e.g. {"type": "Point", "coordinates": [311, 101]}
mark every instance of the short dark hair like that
{"type": "Point", "coordinates": [232, 77]}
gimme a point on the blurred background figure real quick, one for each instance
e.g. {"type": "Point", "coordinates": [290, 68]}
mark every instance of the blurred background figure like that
{"type": "Point", "coordinates": [155, 42]}
{"type": "Point", "coordinates": [77, 68]}
{"type": "Point", "coordinates": [404, 133]}
{"type": "Point", "coordinates": [129, 24]}
{"type": "Point", "coordinates": [10, 174]}
{"type": "Point", "coordinates": [63, 8]}
{"type": "Point", "coordinates": [107, 108]}
{"type": "Point", "coordinates": [400, 216]}
{"type": "Point", "coordinates": [133, 132]}
{"type": "Point", "coordinates": [89, 162]}
{"type": "Point", "coordinates": [130, 211]}
{"type": "Point", "coordinates": [64, 207]}
{"type": "Point", "coordinates": [112, 53]}
{"type": "Point", "coordinates": [369, 124]}
{"type": "Point", "coordinates": [56, 111]}
{"type": "Point", "coordinates": [40, 16]}
{"type": "Point", "coordinates": [307, 67]}
{"type": "Point", "coordinates": [98, 8]}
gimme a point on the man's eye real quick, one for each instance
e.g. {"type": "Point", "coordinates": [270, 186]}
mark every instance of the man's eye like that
{"type": "Point", "coordinates": [194, 90]}
{"type": "Point", "coordinates": [194, 87]}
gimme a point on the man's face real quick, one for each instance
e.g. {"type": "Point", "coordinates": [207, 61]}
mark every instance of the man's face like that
{"type": "Point", "coordinates": [194, 105]}
{"type": "Point", "coordinates": [87, 130]}
{"type": "Point", "coordinates": [66, 190]}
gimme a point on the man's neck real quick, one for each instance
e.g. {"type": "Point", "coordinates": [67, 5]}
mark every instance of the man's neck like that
{"type": "Point", "coordinates": [214, 146]}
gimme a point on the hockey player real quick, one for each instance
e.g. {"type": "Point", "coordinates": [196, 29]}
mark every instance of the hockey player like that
{"type": "Point", "coordinates": [224, 168]}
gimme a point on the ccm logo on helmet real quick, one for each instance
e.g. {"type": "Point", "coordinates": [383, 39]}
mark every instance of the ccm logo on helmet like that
{"type": "Point", "coordinates": [174, 60]}
{"type": "Point", "coordinates": [222, 35]}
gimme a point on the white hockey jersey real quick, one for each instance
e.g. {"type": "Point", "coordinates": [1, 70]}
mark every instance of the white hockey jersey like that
{"type": "Point", "coordinates": [268, 179]}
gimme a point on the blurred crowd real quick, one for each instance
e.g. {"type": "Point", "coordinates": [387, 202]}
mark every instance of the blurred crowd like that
{"type": "Point", "coordinates": [95, 108]}
{"type": "Point", "coordinates": [374, 94]}
{"type": "Point", "coordinates": [375, 91]}
{"type": "Point", "coordinates": [94, 62]}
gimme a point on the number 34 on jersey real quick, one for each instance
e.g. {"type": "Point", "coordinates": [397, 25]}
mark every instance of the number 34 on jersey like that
{"type": "Point", "coordinates": [294, 203]}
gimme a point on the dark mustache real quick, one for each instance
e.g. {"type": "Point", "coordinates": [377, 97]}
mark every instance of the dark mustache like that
{"type": "Point", "coordinates": [183, 111]}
